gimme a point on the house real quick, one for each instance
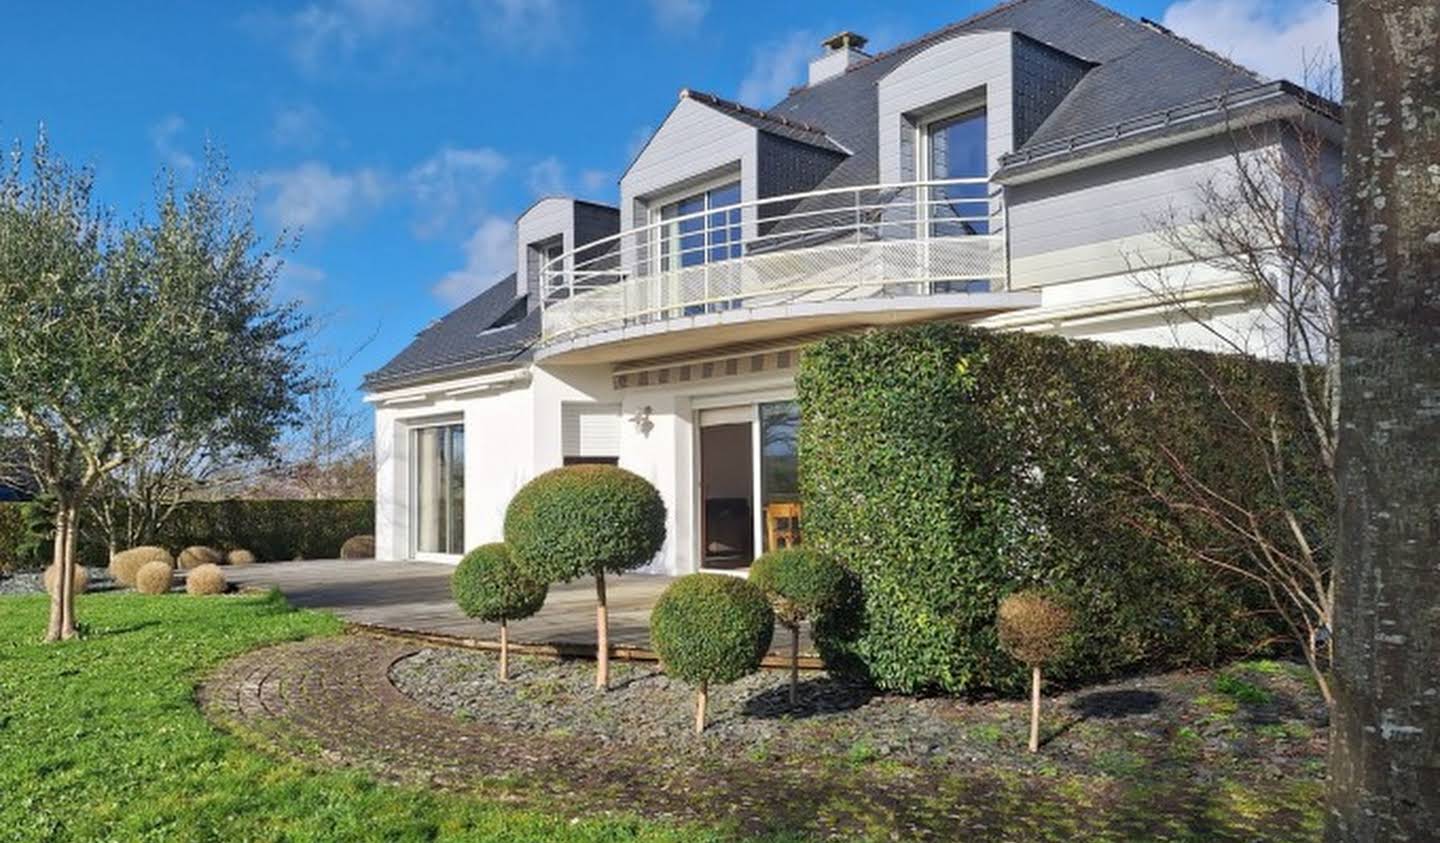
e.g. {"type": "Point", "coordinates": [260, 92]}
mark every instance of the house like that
{"type": "Point", "coordinates": [1001, 171]}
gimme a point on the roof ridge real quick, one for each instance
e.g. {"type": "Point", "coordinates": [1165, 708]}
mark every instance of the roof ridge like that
{"type": "Point", "coordinates": [1162, 29]}
{"type": "Point", "coordinates": [712, 99]}
{"type": "Point", "coordinates": [929, 37]}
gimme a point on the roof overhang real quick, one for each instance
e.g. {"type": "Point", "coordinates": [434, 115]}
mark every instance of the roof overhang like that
{"type": "Point", "coordinates": [455, 387]}
{"type": "Point", "coordinates": [688, 334]}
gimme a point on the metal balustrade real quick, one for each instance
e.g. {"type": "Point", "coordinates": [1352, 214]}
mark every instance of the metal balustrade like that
{"type": "Point", "coordinates": [874, 241]}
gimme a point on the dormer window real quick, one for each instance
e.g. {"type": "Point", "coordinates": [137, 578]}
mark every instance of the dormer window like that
{"type": "Point", "coordinates": [706, 228]}
{"type": "Point", "coordinates": [954, 148]}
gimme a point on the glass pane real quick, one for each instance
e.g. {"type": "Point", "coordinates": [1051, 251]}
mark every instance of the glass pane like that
{"type": "Point", "coordinates": [729, 194]}
{"type": "Point", "coordinates": [456, 501]}
{"type": "Point", "coordinates": [957, 151]}
{"type": "Point", "coordinates": [779, 472]}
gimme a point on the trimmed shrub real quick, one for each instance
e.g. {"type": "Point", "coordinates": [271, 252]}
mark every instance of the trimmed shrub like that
{"type": "Point", "coordinates": [205, 579]}
{"type": "Point", "coordinates": [358, 547]}
{"type": "Point", "coordinates": [489, 585]}
{"type": "Point", "coordinates": [79, 579]}
{"type": "Point", "coordinates": [155, 578]}
{"type": "Point", "coordinates": [946, 466]}
{"type": "Point", "coordinates": [126, 564]}
{"type": "Point", "coordinates": [711, 629]}
{"type": "Point", "coordinates": [271, 529]}
{"type": "Point", "coordinates": [1032, 630]}
{"type": "Point", "coordinates": [801, 584]}
{"type": "Point", "coordinates": [586, 519]}
{"type": "Point", "coordinates": [239, 557]}
{"type": "Point", "coordinates": [197, 555]}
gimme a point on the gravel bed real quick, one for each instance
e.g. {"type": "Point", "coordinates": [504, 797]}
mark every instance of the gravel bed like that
{"type": "Point", "coordinates": [644, 708]}
{"type": "Point", "coordinates": [29, 582]}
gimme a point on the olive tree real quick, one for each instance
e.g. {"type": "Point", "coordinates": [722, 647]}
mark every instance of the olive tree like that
{"type": "Point", "coordinates": [115, 333]}
{"type": "Point", "coordinates": [586, 520]}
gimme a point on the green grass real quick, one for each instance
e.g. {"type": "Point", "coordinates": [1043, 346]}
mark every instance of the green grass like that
{"type": "Point", "coordinates": [1240, 690]}
{"type": "Point", "coordinates": [101, 739]}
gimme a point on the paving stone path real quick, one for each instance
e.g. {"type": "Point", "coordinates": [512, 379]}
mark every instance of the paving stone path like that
{"type": "Point", "coordinates": [332, 700]}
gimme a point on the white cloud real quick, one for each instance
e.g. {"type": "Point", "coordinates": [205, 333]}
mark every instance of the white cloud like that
{"type": "Point", "coordinates": [595, 182]}
{"type": "Point", "coordinates": [1279, 40]}
{"type": "Point", "coordinates": [638, 139]}
{"type": "Point", "coordinates": [297, 127]}
{"type": "Point", "coordinates": [321, 31]}
{"type": "Point", "coordinates": [300, 281]}
{"type": "Point", "coordinates": [313, 196]}
{"type": "Point", "coordinates": [547, 177]}
{"type": "Point", "coordinates": [525, 25]}
{"type": "Point", "coordinates": [489, 256]}
{"type": "Point", "coordinates": [775, 68]}
{"type": "Point", "coordinates": [679, 15]}
{"type": "Point", "coordinates": [450, 183]}
{"type": "Point", "coordinates": [164, 136]}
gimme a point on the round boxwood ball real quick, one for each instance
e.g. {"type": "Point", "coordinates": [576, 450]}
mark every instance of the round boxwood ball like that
{"type": "Point", "coordinates": [79, 580]}
{"type": "Point", "coordinates": [206, 579]}
{"type": "Point", "coordinates": [239, 557]}
{"type": "Point", "coordinates": [711, 628]}
{"type": "Point", "coordinates": [585, 519]}
{"type": "Point", "coordinates": [489, 585]}
{"type": "Point", "coordinates": [800, 583]}
{"type": "Point", "coordinates": [154, 578]}
{"type": "Point", "coordinates": [194, 557]}
{"type": "Point", "coordinates": [127, 563]}
{"type": "Point", "coordinates": [358, 547]}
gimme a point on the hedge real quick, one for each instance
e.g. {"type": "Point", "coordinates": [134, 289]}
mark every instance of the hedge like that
{"type": "Point", "coordinates": [948, 467]}
{"type": "Point", "coordinates": [274, 530]}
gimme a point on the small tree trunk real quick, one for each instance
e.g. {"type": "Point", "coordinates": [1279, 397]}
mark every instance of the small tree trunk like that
{"type": "Point", "coordinates": [504, 651]}
{"type": "Point", "coordinates": [602, 634]}
{"type": "Point", "coordinates": [1035, 708]}
{"type": "Point", "coordinates": [794, 664]}
{"type": "Point", "coordinates": [702, 694]}
{"type": "Point", "coordinates": [67, 576]}
{"type": "Point", "coordinates": [57, 597]}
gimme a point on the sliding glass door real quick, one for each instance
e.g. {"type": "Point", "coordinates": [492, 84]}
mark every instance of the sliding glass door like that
{"type": "Point", "coordinates": [438, 489]}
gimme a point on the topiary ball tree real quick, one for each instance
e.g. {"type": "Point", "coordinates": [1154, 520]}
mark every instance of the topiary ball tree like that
{"type": "Point", "coordinates": [1032, 629]}
{"type": "Point", "coordinates": [710, 629]}
{"type": "Point", "coordinates": [586, 519]}
{"type": "Point", "coordinates": [800, 584]}
{"type": "Point", "coordinates": [488, 584]}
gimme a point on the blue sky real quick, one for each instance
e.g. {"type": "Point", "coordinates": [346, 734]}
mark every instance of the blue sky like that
{"type": "Point", "coordinates": [402, 137]}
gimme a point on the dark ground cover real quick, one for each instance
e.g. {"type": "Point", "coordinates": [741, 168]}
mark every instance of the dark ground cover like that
{"type": "Point", "coordinates": [102, 738]}
{"type": "Point", "coordinates": [1232, 755]}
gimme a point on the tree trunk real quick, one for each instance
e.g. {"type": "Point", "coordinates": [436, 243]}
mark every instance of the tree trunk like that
{"type": "Point", "coordinates": [67, 574]}
{"type": "Point", "coordinates": [1035, 708]}
{"type": "Point", "coordinates": [504, 651]}
{"type": "Point", "coordinates": [794, 664]}
{"type": "Point", "coordinates": [57, 597]}
{"type": "Point", "coordinates": [1385, 732]}
{"type": "Point", "coordinates": [602, 634]}
{"type": "Point", "coordinates": [702, 695]}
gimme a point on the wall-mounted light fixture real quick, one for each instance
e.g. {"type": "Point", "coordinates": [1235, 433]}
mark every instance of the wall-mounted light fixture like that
{"type": "Point", "coordinates": [641, 420]}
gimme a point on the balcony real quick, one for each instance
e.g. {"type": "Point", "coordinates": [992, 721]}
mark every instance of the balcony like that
{"type": "Point", "coordinates": [817, 261]}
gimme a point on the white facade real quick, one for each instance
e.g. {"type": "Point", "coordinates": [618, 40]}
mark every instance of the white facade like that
{"type": "Point", "coordinates": [672, 386]}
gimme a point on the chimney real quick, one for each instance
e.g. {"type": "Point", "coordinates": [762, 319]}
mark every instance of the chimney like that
{"type": "Point", "coordinates": [841, 51]}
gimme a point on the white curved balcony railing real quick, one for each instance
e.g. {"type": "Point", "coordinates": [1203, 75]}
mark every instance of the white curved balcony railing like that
{"type": "Point", "coordinates": [875, 241]}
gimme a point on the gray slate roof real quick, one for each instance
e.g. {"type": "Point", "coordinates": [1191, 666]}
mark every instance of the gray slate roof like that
{"type": "Point", "coordinates": [490, 330]}
{"type": "Point", "coordinates": [1139, 69]}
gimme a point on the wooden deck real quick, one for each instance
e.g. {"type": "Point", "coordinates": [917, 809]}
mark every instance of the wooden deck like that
{"type": "Point", "coordinates": [412, 599]}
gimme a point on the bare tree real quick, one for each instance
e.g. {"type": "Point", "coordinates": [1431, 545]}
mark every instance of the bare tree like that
{"type": "Point", "coordinates": [1265, 230]}
{"type": "Point", "coordinates": [134, 504]}
{"type": "Point", "coordinates": [1385, 734]}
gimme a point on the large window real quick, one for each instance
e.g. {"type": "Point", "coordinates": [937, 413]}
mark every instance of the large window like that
{"type": "Point", "coordinates": [956, 150]}
{"type": "Point", "coordinates": [710, 237]}
{"type": "Point", "coordinates": [779, 465]}
{"type": "Point", "coordinates": [438, 481]}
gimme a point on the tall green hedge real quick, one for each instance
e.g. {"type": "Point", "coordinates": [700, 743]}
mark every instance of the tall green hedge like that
{"type": "Point", "coordinates": [948, 467]}
{"type": "Point", "coordinates": [274, 530]}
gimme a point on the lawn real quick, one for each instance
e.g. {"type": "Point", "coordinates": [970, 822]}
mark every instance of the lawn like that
{"type": "Point", "coordinates": [100, 739]}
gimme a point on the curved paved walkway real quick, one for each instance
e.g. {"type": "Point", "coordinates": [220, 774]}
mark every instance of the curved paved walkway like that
{"type": "Point", "coordinates": [332, 698]}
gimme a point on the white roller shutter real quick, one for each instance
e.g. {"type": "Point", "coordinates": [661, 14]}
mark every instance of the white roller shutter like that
{"type": "Point", "coordinates": [727, 415]}
{"type": "Point", "coordinates": [590, 430]}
